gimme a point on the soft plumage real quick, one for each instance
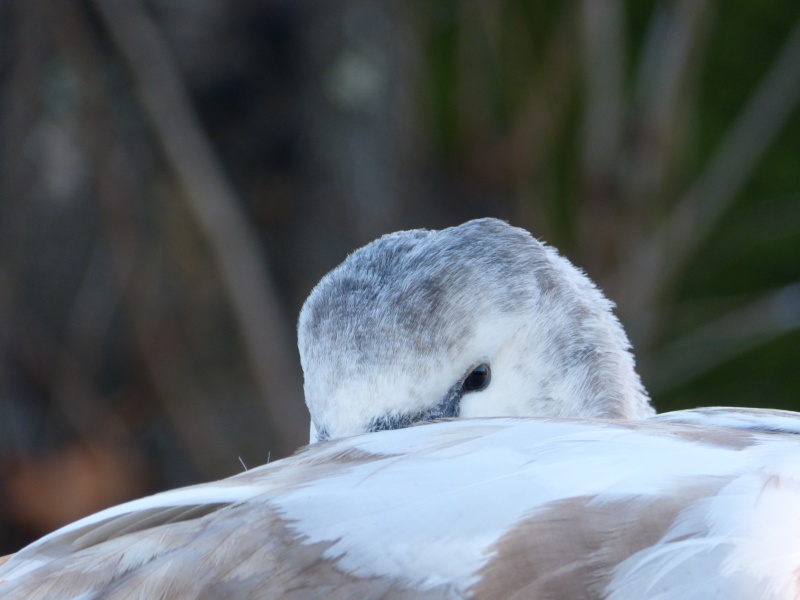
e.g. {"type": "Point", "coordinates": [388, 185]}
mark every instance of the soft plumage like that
{"type": "Point", "coordinates": [391, 333]}
{"type": "Point", "coordinates": [561, 484]}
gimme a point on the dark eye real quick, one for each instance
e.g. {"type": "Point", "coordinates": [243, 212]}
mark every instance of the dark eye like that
{"type": "Point", "coordinates": [478, 378]}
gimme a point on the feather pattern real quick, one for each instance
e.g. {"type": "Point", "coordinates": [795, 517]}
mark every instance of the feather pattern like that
{"type": "Point", "coordinates": [492, 507]}
{"type": "Point", "coordinates": [558, 481]}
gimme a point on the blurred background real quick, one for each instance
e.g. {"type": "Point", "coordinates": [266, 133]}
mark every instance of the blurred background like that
{"type": "Point", "coordinates": [176, 175]}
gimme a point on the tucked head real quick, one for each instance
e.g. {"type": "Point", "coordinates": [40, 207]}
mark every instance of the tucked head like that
{"type": "Point", "coordinates": [476, 320]}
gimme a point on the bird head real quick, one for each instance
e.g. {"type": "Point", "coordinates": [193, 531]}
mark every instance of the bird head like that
{"type": "Point", "coordinates": [476, 320]}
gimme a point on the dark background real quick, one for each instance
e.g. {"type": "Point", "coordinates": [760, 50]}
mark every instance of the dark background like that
{"type": "Point", "coordinates": [175, 175]}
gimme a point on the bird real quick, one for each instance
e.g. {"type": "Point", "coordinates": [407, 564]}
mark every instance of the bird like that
{"type": "Point", "coordinates": [478, 430]}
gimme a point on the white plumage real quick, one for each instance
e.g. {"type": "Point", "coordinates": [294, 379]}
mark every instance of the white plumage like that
{"type": "Point", "coordinates": [560, 484]}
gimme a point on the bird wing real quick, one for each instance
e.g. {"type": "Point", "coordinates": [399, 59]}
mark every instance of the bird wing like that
{"type": "Point", "coordinates": [497, 508]}
{"type": "Point", "coordinates": [752, 419]}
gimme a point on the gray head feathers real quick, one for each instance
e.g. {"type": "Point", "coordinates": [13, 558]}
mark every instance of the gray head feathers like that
{"type": "Point", "coordinates": [394, 330]}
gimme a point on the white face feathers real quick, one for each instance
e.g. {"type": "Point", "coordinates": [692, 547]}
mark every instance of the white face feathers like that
{"type": "Point", "coordinates": [476, 320]}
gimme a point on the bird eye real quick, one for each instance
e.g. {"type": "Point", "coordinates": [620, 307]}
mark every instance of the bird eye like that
{"type": "Point", "coordinates": [478, 379]}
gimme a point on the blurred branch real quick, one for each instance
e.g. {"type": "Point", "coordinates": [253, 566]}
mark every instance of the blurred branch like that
{"type": "Point", "coordinates": [604, 64]}
{"type": "Point", "coordinates": [727, 337]}
{"type": "Point", "coordinates": [661, 258]}
{"type": "Point", "coordinates": [661, 96]}
{"type": "Point", "coordinates": [21, 103]}
{"type": "Point", "coordinates": [73, 388]}
{"type": "Point", "coordinates": [542, 122]}
{"type": "Point", "coordinates": [604, 52]}
{"type": "Point", "coordinates": [117, 183]}
{"type": "Point", "coordinates": [213, 201]}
